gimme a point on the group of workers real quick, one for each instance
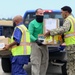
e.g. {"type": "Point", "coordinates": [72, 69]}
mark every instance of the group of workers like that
{"type": "Point", "coordinates": [21, 47]}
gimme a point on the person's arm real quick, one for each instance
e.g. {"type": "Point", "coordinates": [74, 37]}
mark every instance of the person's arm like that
{"type": "Point", "coordinates": [31, 30]}
{"type": "Point", "coordinates": [65, 28]}
{"type": "Point", "coordinates": [17, 38]}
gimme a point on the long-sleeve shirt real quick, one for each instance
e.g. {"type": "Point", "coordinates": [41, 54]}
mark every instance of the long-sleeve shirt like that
{"type": "Point", "coordinates": [65, 28]}
{"type": "Point", "coordinates": [35, 29]}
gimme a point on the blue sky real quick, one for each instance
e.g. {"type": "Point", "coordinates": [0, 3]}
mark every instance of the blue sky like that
{"type": "Point", "coordinates": [11, 8]}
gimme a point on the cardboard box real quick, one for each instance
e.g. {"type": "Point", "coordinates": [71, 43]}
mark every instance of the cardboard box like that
{"type": "Point", "coordinates": [51, 40]}
{"type": "Point", "coordinates": [50, 24]}
{"type": "Point", "coordinates": [41, 37]}
{"type": "Point", "coordinates": [3, 41]}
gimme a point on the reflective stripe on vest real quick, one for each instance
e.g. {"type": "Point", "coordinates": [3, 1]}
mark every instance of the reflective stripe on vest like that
{"type": "Point", "coordinates": [24, 48]}
{"type": "Point", "coordinates": [23, 44]}
{"type": "Point", "coordinates": [24, 39]}
{"type": "Point", "coordinates": [69, 35]}
{"type": "Point", "coordinates": [72, 33]}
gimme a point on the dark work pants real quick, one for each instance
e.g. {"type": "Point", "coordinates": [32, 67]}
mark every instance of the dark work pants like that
{"type": "Point", "coordinates": [63, 68]}
{"type": "Point", "coordinates": [17, 63]}
{"type": "Point", "coordinates": [17, 69]}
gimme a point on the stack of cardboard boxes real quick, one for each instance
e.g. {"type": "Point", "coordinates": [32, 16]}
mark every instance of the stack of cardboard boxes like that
{"type": "Point", "coordinates": [4, 41]}
{"type": "Point", "coordinates": [50, 24]}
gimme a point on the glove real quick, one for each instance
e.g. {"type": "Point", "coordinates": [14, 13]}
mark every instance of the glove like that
{"type": "Point", "coordinates": [39, 42]}
{"type": "Point", "coordinates": [61, 47]}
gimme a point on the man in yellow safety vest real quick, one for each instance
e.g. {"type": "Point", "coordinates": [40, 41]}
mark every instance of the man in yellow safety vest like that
{"type": "Point", "coordinates": [68, 29]}
{"type": "Point", "coordinates": [19, 46]}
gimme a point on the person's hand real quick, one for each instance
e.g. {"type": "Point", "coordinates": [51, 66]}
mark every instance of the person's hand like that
{"type": "Point", "coordinates": [47, 34]}
{"type": "Point", "coordinates": [63, 44]}
{"type": "Point", "coordinates": [6, 47]}
{"type": "Point", "coordinates": [39, 42]}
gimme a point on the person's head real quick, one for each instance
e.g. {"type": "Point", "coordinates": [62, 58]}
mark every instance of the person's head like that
{"type": "Point", "coordinates": [39, 15]}
{"type": "Point", "coordinates": [17, 19]}
{"type": "Point", "coordinates": [66, 11]}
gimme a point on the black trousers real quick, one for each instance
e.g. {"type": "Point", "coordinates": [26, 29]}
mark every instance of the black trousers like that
{"type": "Point", "coordinates": [63, 68]}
